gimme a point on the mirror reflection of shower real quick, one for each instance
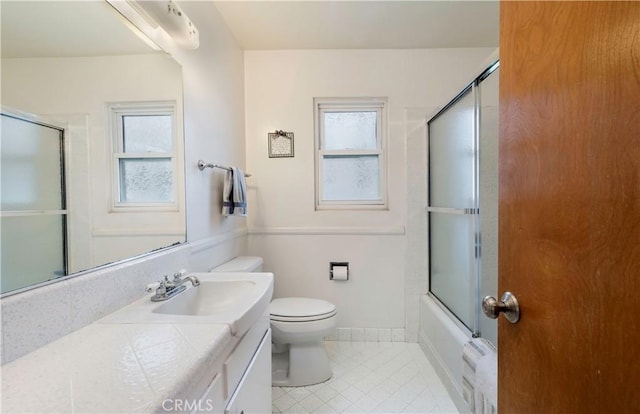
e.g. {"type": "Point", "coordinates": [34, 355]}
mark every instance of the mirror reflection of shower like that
{"type": "Point", "coordinates": [33, 204]}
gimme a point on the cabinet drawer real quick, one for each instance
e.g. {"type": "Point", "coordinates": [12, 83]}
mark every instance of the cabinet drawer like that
{"type": "Point", "coordinates": [235, 366]}
{"type": "Point", "coordinates": [253, 393]}
{"type": "Point", "coordinates": [213, 399]}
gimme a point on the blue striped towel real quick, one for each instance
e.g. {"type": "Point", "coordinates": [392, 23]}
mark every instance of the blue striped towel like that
{"type": "Point", "coordinates": [234, 194]}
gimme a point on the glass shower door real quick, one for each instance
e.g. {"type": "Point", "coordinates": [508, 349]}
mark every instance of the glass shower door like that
{"type": "Point", "coordinates": [463, 203]}
{"type": "Point", "coordinates": [453, 209]}
{"type": "Point", "coordinates": [32, 203]}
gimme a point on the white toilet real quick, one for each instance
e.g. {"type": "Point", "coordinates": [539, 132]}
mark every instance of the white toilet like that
{"type": "Point", "coordinates": [298, 326]}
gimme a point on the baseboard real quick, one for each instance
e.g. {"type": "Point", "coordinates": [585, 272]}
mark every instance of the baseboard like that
{"type": "Point", "coordinates": [368, 335]}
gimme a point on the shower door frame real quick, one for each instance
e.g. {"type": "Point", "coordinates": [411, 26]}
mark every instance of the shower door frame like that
{"type": "Point", "coordinates": [63, 212]}
{"type": "Point", "coordinates": [473, 210]}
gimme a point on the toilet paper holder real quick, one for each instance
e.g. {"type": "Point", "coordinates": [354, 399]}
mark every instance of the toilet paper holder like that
{"type": "Point", "coordinates": [339, 271]}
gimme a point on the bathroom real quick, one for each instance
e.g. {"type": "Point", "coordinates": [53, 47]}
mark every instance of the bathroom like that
{"type": "Point", "coordinates": [231, 98]}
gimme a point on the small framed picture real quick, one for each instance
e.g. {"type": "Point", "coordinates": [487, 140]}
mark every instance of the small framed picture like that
{"type": "Point", "coordinates": [280, 144]}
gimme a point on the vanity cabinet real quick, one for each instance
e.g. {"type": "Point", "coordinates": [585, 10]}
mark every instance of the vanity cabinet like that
{"type": "Point", "coordinates": [213, 399]}
{"type": "Point", "coordinates": [243, 385]}
{"type": "Point", "coordinates": [253, 394]}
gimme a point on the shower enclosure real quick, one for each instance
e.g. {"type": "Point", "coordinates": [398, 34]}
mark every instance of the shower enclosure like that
{"type": "Point", "coordinates": [33, 204]}
{"type": "Point", "coordinates": [463, 203]}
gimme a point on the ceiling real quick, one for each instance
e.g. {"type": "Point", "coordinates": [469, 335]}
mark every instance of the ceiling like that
{"type": "Point", "coordinates": [338, 24]}
{"type": "Point", "coordinates": [93, 28]}
{"type": "Point", "coordinates": [65, 29]}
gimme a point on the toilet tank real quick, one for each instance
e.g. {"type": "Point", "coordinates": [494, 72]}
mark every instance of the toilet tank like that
{"type": "Point", "coordinates": [241, 264]}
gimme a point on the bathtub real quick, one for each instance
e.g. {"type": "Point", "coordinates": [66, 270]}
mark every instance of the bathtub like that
{"type": "Point", "coordinates": [442, 341]}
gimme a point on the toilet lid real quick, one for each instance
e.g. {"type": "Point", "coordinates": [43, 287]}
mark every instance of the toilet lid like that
{"type": "Point", "coordinates": [300, 309]}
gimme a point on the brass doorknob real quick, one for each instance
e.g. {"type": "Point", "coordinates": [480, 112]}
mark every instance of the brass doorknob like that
{"type": "Point", "coordinates": [508, 305]}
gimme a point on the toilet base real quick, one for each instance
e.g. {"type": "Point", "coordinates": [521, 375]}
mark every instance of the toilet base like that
{"type": "Point", "coordinates": [301, 365]}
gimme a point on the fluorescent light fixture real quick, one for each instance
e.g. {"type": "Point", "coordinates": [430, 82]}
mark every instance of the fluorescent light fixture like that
{"type": "Point", "coordinates": [140, 34]}
{"type": "Point", "coordinates": [136, 22]}
{"type": "Point", "coordinates": [136, 6]}
{"type": "Point", "coordinates": [170, 17]}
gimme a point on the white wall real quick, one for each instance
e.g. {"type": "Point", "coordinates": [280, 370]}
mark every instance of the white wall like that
{"type": "Point", "coordinates": [416, 253]}
{"type": "Point", "coordinates": [298, 242]}
{"type": "Point", "coordinates": [214, 120]}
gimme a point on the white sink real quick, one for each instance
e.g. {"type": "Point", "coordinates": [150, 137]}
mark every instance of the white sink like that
{"type": "Point", "coordinates": [209, 298]}
{"type": "Point", "coordinates": [235, 299]}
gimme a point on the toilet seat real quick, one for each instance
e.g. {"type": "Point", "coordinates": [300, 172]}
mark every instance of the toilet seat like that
{"type": "Point", "coordinates": [300, 310]}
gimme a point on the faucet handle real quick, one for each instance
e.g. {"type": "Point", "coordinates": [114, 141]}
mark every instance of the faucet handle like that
{"type": "Point", "coordinates": [151, 286]}
{"type": "Point", "coordinates": [179, 275]}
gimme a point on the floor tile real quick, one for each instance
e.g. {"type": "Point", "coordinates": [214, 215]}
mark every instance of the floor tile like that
{"type": "Point", "coordinates": [283, 402]}
{"type": "Point", "coordinates": [339, 403]}
{"type": "Point", "coordinates": [370, 377]}
{"type": "Point", "coordinates": [326, 393]}
{"type": "Point", "coordinates": [311, 403]}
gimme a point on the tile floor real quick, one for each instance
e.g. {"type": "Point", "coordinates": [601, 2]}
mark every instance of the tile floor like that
{"type": "Point", "coordinates": [370, 377]}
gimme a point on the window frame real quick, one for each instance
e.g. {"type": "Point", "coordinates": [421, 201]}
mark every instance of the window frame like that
{"type": "Point", "coordinates": [378, 105]}
{"type": "Point", "coordinates": [116, 113]}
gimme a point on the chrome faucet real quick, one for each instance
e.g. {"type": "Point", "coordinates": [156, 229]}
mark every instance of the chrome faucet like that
{"type": "Point", "coordinates": [179, 280]}
{"type": "Point", "coordinates": [166, 289]}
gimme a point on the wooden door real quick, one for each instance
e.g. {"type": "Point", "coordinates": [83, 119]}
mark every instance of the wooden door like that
{"type": "Point", "coordinates": [570, 207]}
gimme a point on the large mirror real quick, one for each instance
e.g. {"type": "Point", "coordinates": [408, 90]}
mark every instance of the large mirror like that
{"type": "Point", "coordinates": [92, 144]}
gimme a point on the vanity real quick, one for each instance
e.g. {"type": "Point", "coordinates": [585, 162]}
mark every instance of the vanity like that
{"type": "Point", "coordinates": [200, 351]}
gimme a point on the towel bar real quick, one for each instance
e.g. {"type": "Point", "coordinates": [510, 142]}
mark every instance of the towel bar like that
{"type": "Point", "coordinates": [202, 165]}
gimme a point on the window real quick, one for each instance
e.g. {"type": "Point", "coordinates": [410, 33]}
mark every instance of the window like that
{"type": "Point", "coordinates": [144, 161]}
{"type": "Point", "coordinates": [350, 166]}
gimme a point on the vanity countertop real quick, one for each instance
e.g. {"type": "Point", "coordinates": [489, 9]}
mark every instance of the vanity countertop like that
{"type": "Point", "coordinates": [138, 360]}
{"type": "Point", "coordinates": [116, 368]}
